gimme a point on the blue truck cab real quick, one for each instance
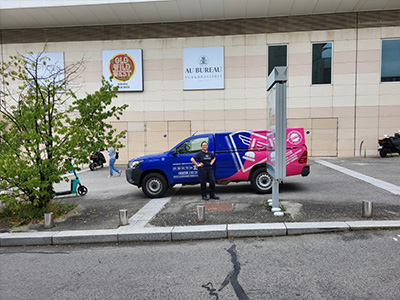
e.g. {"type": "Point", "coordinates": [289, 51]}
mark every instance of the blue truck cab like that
{"type": "Point", "coordinates": [240, 156]}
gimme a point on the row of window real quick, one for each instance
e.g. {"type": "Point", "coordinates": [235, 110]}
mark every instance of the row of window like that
{"type": "Point", "coordinates": [322, 61]}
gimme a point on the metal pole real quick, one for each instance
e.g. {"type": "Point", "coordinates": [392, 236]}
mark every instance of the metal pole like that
{"type": "Point", "coordinates": [280, 147]}
{"type": "Point", "coordinates": [48, 220]}
{"type": "Point", "coordinates": [275, 199]}
{"type": "Point", "coordinates": [123, 217]}
{"type": "Point", "coordinates": [280, 143]}
{"type": "Point", "coordinates": [275, 195]}
{"type": "Point", "coordinates": [278, 78]}
{"type": "Point", "coordinates": [367, 209]}
{"type": "Point", "coordinates": [201, 216]}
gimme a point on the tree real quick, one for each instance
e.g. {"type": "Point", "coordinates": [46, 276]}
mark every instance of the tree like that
{"type": "Point", "coordinates": [44, 125]}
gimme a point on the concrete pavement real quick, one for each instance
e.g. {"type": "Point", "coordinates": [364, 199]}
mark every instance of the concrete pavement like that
{"type": "Point", "coordinates": [140, 229]}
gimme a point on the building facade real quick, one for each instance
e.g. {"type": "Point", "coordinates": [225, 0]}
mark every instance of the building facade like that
{"type": "Point", "coordinates": [343, 76]}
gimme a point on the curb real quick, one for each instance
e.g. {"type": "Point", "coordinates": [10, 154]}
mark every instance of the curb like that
{"type": "Point", "coordinates": [179, 233]}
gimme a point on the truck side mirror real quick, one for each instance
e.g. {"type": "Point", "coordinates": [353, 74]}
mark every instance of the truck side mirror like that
{"type": "Point", "coordinates": [174, 152]}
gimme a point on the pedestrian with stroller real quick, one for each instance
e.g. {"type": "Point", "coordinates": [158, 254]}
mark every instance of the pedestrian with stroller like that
{"type": "Point", "coordinates": [204, 160]}
{"type": "Point", "coordinates": [112, 153]}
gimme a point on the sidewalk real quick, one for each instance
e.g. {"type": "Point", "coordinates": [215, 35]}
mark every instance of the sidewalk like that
{"type": "Point", "coordinates": [327, 200]}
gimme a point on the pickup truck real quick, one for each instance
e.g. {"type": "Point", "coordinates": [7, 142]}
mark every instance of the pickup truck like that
{"type": "Point", "coordinates": [240, 156]}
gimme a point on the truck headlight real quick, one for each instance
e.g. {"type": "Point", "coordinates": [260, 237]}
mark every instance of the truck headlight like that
{"type": "Point", "coordinates": [134, 164]}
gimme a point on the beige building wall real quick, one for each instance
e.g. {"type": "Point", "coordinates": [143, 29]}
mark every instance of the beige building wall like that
{"type": "Point", "coordinates": [355, 107]}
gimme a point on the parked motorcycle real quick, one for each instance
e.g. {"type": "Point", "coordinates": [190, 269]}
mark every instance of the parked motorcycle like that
{"type": "Point", "coordinates": [97, 159]}
{"type": "Point", "coordinates": [389, 144]}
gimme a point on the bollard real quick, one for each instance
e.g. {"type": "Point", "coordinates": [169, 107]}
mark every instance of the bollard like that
{"type": "Point", "coordinates": [123, 217]}
{"type": "Point", "coordinates": [367, 209]}
{"type": "Point", "coordinates": [48, 220]}
{"type": "Point", "coordinates": [201, 216]}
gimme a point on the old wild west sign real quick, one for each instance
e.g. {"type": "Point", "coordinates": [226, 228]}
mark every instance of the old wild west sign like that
{"type": "Point", "coordinates": [124, 69]}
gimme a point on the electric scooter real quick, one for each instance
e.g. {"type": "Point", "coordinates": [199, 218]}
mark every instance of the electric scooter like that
{"type": "Point", "coordinates": [76, 187]}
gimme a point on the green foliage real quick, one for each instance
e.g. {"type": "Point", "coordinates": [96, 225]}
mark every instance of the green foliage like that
{"type": "Point", "coordinates": [19, 213]}
{"type": "Point", "coordinates": [43, 125]}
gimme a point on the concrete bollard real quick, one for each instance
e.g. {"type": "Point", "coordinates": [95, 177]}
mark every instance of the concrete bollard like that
{"type": "Point", "coordinates": [367, 209]}
{"type": "Point", "coordinates": [201, 216]}
{"type": "Point", "coordinates": [123, 217]}
{"type": "Point", "coordinates": [48, 220]}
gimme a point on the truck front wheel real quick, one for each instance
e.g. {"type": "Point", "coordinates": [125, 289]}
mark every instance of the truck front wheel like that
{"type": "Point", "coordinates": [261, 181]}
{"type": "Point", "coordinates": [154, 185]}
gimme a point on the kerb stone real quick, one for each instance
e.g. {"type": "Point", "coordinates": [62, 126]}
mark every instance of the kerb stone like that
{"type": "Point", "coordinates": [256, 229]}
{"type": "Point", "coordinates": [145, 234]}
{"type": "Point", "coordinates": [27, 238]}
{"type": "Point", "coordinates": [86, 236]}
{"type": "Point", "coordinates": [199, 232]}
{"type": "Point", "coordinates": [373, 224]}
{"type": "Point", "coordinates": [317, 227]}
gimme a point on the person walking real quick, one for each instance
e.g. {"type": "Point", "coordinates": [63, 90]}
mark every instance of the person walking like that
{"type": "Point", "coordinates": [112, 153]}
{"type": "Point", "coordinates": [204, 160]}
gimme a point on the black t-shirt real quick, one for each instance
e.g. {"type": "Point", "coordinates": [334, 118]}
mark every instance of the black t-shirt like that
{"type": "Point", "coordinates": [204, 158]}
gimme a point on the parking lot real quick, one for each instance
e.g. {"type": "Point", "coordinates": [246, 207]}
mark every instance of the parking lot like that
{"type": "Point", "coordinates": [325, 195]}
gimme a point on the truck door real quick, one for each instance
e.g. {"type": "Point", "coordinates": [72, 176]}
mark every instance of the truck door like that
{"type": "Point", "coordinates": [183, 171]}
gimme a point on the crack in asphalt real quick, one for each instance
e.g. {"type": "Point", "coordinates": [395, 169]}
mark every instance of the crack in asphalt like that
{"type": "Point", "coordinates": [211, 290]}
{"type": "Point", "coordinates": [231, 278]}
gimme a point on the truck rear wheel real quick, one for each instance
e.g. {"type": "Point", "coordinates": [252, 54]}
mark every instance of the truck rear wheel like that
{"type": "Point", "coordinates": [154, 185]}
{"type": "Point", "coordinates": [261, 181]}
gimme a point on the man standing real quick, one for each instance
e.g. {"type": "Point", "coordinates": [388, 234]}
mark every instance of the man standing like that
{"type": "Point", "coordinates": [112, 153]}
{"type": "Point", "coordinates": [204, 168]}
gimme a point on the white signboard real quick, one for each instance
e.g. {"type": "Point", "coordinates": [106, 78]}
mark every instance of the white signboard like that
{"type": "Point", "coordinates": [50, 67]}
{"type": "Point", "coordinates": [203, 68]}
{"type": "Point", "coordinates": [125, 67]}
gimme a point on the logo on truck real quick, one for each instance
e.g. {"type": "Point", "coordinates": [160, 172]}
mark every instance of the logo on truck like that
{"type": "Point", "coordinates": [255, 142]}
{"type": "Point", "coordinates": [294, 137]}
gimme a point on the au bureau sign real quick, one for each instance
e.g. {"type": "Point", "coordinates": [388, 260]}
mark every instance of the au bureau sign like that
{"type": "Point", "coordinates": [125, 68]}
{"type": "Point", "coordinates": [203, 68]}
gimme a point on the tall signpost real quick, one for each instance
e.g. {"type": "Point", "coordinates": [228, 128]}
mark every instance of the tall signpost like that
{"type": "Point", "coordinates": [276, 124]}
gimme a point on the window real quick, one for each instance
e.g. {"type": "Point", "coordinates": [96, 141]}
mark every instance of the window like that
{"type": "Point", "coordinates": [321, 63]}
{"type": "Point", "coordinates": [277, 57]}
{"type": "Point", "coordinates": [390, 66]}
{"type": "Point", "coordinates": [191, 146]}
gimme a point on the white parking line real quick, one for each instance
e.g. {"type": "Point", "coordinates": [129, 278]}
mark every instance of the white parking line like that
{"type": "Point", "coordinates": [394, 189]}
{"type": "Point", "coordinates": [147, 212]}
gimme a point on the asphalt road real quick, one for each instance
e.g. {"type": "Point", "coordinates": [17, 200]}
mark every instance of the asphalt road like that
{"type": "Point", "coordinates": [352, 265]}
